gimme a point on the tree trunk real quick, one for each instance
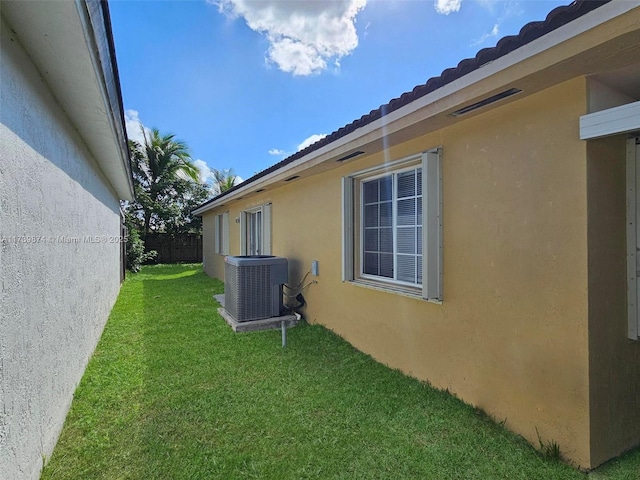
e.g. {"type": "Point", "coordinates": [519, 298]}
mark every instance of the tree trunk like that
{"type": "Point", "coordinates": [147, 222]}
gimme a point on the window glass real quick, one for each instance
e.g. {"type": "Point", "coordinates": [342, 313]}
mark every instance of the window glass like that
{"type": "Point", "coordinates": [392, 226]}
{"type": "Point", "coordinates": [384, 214]}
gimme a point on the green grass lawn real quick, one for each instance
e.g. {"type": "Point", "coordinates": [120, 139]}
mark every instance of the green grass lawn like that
{"type": "Point", "coordinates": [172, 393]}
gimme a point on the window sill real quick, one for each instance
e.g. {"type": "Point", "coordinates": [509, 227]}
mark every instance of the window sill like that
{"type": "Point", "coordinates": [395, 289]}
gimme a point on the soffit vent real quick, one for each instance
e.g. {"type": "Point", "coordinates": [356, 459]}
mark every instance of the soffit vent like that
{"type": "Point", "coordinates": [485, 102]}
{"type": "Point", "coordinates": [351, 155]}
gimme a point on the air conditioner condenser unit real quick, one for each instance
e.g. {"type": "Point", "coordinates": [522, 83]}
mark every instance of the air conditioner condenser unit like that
{"type": "Point", "coordinates": [253, 286]}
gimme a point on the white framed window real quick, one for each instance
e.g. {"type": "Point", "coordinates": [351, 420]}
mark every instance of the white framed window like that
{"type": "Point", "coordinates": [255, 231]}
{"type": "Point", "coordinates": [392, 226]}
{"type": "Point", "coordinates": [221, 234]}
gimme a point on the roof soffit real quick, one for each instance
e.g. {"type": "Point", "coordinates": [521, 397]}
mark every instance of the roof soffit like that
{"type": "Point", "coordinates": [62, 41]}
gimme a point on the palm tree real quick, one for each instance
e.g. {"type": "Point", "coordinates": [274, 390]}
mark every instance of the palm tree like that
{"type": "Point", "coordinates": [157, 166]}
{"type": "Point", "coordinates": [223, 180]}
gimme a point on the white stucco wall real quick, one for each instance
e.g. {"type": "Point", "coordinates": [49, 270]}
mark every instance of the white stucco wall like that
{"type": "Point", "coordinates": [55, 295]}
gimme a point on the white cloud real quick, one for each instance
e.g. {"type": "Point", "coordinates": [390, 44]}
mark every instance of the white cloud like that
{"type": "Point", "coordinates": [366, 29]}
{"type": "Point", "coordinates": [133, 125]}
{"type": "Point", "coordinates": [206, 175]}
{"type": "Point", "coordinates": [302, 35]}
{"type": "Point", "coordinates": [446, 7]}
{"type": "Point", "coordinates": [304, 144]}
{"type": "Point", "coordinates": [494, 33]}
{"type": "Point", "coordinates": [296, 57]}
{"type": "Point", "coordinates": [311, 140]}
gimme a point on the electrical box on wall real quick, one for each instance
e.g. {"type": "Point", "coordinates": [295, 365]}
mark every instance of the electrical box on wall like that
{"type": "Point", "coordinates": [314, 268]}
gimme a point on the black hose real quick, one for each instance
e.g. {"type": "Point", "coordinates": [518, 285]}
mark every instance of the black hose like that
{"type": "Point", "coordinates": [295, 308]}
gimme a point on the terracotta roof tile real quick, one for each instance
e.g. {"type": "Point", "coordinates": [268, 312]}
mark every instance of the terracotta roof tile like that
{"type": "Point", "coordinates": [531, 31]}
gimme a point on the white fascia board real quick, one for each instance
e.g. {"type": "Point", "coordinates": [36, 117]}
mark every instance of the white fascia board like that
{"type": "Point", "coordinates": [96, 35]}
{"type": "Point", "coordinates": [432, 104]}
{"type": "Point", "coordinates": [60, 39]}
{"type": "Point", "coordinates": [612, 121]}
{"type": "Point", "coordinates": [203, 209]}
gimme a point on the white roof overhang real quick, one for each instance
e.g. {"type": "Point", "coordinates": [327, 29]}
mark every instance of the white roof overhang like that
{"type": "Point", "coordinates": [70, 43]}
{"type": "Point", "coordinates": [612, 121]}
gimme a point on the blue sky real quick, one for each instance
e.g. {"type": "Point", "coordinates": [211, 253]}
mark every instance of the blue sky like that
{"type": "Point", "coordinates": [246, 83]}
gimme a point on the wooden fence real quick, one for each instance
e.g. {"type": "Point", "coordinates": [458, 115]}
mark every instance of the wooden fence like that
{"type": "Point", "coordinates": [183, 248]}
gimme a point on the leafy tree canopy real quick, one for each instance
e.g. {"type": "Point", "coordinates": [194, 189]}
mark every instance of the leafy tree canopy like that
{"type": "Point", "coordinates": [167, 186]}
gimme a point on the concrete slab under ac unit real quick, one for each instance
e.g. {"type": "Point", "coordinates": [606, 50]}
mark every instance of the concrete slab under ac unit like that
{"type": "Point", "coordinates": [220, 299]}
{"type": "Point", "coordinates": [273, 323]}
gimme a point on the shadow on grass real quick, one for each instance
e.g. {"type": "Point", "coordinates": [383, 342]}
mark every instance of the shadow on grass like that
{"type": "Point", "coordinates": [180, 338]}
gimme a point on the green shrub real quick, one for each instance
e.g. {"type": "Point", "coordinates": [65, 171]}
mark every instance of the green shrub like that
{"type": "Point", "coordinates": [136, 255]}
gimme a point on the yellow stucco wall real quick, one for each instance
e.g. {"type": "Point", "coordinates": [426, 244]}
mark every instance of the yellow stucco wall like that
{"type": "Point", "coordinates": [614, 367]}
{"type": "Point", "coordinates": [511, 336]}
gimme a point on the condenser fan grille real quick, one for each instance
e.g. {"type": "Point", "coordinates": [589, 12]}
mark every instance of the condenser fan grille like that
{"type": "Point", "coordinates": [253, 287]}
